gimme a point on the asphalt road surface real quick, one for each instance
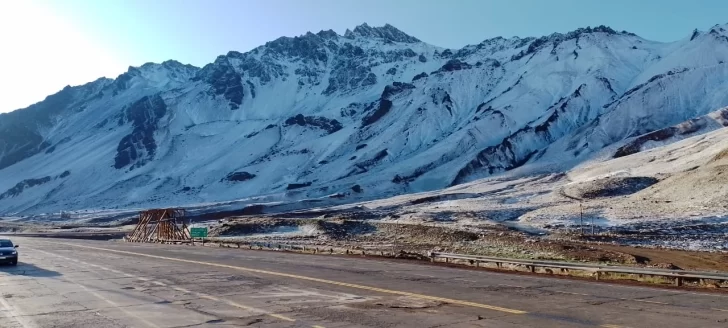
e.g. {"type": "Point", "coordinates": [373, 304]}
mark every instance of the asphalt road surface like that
{"type": "Point", "coordinates": [84, 283]}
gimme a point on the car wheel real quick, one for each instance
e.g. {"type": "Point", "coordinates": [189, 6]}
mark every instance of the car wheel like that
{"type": "Point", "coordinates": [14, 263]}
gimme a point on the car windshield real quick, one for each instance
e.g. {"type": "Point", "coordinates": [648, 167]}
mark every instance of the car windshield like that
{"type": "Point", "coordinates": [6, 243]}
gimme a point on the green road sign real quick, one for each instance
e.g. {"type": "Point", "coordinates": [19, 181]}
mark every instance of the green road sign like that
{"type": "Point", "coordinates": [198, 232]}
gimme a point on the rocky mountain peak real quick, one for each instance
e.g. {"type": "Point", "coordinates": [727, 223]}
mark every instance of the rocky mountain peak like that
{"type": "Point", "coordinates": [173, 64]}
{"type": "Point", "coordinates": [327, 34]}
{"type": "Point", "coordinates": [556, 38]}
{"type": "Point", "coordinates": [321, 112]}
{"type": "Point", "coordinates": [308, 46]}
{"type": "Point", "coordinates": [719, 30]}
{"type": "Point", "coordinates": [386, 32]}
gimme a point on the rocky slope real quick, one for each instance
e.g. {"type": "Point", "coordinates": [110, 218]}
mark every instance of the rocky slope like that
{"type": "Point", "coordinates": [344, 118]}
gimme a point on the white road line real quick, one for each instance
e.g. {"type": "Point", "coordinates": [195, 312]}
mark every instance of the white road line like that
{"type": "Point", "coordinates": [563, 292]}
{"type": "Point", "coordinates": [99, 296]}
{"type": "Point", "coordinates": [644, 301]}
{"type": "Point", "coordinates": [616, 298]}
{"type": "Point", "coordinates": [116, 306]}
{"type": "Point", "coordinates": [159, 283]}
{"type": "Point", "coordinates": [15, 314]}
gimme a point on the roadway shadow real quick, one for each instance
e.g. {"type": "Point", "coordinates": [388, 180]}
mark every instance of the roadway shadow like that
{"type": "Point", "coordinates": [27, 269]}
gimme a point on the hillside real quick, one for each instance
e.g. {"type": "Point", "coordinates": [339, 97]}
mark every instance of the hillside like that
{"type": "Point", "coordinates": [370, 114]}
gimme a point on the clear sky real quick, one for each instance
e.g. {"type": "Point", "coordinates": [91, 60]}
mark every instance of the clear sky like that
{"type": "Point", "coordinates": [48, 44]}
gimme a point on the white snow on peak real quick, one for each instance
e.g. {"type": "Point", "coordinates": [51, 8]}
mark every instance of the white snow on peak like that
{"type": "Point", "coordinates": [339, 119]}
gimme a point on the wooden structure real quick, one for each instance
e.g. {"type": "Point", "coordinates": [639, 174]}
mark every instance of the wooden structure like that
{"type": "Point", "coordinates": [159, 226]}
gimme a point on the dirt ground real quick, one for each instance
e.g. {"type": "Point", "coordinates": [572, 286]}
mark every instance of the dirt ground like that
{"type": "Point", "coordinates": [374, 235]}
{"type": "Point", "coordinates": [707, 261]}
{"type": "Point", "coordinates": [491, 241]}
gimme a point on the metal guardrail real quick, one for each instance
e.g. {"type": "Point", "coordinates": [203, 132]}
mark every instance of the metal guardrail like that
{"type": "Point", "coordinates": [531, 265]}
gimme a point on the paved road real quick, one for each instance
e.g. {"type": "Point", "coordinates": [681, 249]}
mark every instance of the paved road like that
{"type": "Point", "coordinates": [83, 283]}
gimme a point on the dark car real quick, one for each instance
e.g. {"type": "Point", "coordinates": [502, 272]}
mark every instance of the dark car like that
{"type": "Point", "coordinates": [8, 252]}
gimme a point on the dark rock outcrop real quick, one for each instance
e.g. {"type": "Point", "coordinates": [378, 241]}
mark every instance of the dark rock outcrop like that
{"type": "Point", "coordinates": [139, 147]}
{"type": "Point", "coordinates": [323, 123]}
{"type": "Point", "coordinates": [453, 65]}
{"type": "Point", "coordinates": [239, 176]}
{"type": "Point", "coordinates": [395, 88]}
{"type": "Point", "coordinates": [385, 104]}
{"type": "Point", "coordinates": [22, 185]}
{"type": "Point", "coordinates": [292, 186]}
{"type": "Point", "coordinates": [20, 137]}
{"type": "Point", "coordinates": [383, 109]}
{"type": "Point", "coordinates": [419, 76]}
{"type": "Point", "coordinates": [348, 75]}
{"type": "Point", "coordinates": [225, 81]}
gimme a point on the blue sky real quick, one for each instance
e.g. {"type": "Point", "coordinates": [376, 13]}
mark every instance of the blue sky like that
{"type": "Point", "coordinates": [48, 44]}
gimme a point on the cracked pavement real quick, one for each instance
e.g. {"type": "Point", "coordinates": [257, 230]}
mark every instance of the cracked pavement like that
{"type": "Point", "coordinates": [84, 283]}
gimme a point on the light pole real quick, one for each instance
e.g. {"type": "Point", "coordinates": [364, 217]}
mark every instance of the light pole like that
{"type": "Point", "coordinates": [581, 218]}
{"type": "Point", "coordinates": [592, 223]}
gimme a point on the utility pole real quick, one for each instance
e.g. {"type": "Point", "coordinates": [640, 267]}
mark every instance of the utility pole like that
{"type": "Point", "coordinates": [592, 220]}
{"type": "Point", "coordinates": [581, 218]}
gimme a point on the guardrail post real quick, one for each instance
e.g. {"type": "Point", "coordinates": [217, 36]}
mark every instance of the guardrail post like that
{"type": "Point", "coordinates": [597, 274]}
{"type": "Point", "coordinates": [678, 281]}
{"type": "Point", "coordinates": [532, 268]}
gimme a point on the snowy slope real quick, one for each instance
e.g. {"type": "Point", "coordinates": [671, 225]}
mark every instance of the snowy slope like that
{"type": "Point", "coordinates": [343, 118]}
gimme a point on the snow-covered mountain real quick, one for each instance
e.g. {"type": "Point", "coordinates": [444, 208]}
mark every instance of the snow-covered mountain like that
{"type": "Point", "coordinates": [368, 114]}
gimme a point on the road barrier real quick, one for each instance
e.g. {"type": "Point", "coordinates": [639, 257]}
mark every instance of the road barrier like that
{"type": "Point", "coordinates": [596, 269]}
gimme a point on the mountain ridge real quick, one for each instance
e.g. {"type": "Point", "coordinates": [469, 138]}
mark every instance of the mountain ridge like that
{"type": "Point", "coordinates": [375, 107]}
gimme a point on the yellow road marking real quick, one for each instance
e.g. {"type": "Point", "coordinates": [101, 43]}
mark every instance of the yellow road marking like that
{"type": "Point", "coordinates": [319, 280]}
{"type": "Point", "coordinates": [720, 310]}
